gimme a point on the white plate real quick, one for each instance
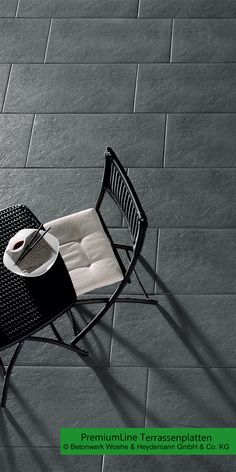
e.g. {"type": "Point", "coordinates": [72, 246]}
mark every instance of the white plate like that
{"type": "Point", "coordinates": [51, 240]}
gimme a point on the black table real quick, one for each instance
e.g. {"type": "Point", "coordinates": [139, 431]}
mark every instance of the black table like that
{"type": "Point", "coordinates": [29, 304]}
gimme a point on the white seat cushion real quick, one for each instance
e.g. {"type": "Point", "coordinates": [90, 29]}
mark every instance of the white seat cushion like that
{"type": "Point", "coordinates": [86, 250]}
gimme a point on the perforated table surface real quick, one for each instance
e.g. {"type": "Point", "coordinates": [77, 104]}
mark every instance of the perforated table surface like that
{"type": "Point", "coordinates": [29, 304]}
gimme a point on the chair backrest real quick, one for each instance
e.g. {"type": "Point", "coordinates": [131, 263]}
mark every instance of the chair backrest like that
{"type": "Point", "coordinates": [118, 185]}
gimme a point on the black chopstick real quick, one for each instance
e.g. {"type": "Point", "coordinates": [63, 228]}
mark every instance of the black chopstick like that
{"type": "Point", "coordinates": [27, 245]}
{"type": "Point", "coordinates": [22, 256]}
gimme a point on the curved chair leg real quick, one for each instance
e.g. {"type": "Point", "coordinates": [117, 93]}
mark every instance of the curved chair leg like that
{"type": "Point", "coordinates": [137, 276]}
{"type": "Point", "coordinates": [60, 340]}
{"type": "Point", "coordinates": [78, 337]}
{"type": "Point", "coordinates": [8, 373]}
{"type": "Point", "coordinates": [2, 368]}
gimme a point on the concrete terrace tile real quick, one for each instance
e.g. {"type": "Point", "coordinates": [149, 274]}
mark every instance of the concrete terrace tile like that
{"type": "Point", "coordinates": [4, 73]}
{"type": "Point", "coordinates": [52, 193]}
{"type": "Point", "coordinates": [8, 7]}
{"type": "Point", "coordinates": [23, 40]}
{"type": "Point", "coordinates": [42, 400]}
{"type": "Point", "coordinates": [80, 8]}
{"type": "Point", "coordinates": [189, 332]}
{"type": "Point", "coordinates": [186, 197]}
{"type": "Point", "coordinates": [49, 88]}
{"type": "Point", "coordinates": [168, 463]}
{"type": "Point", "coordinates": [122, 236]}
{"type": "Point", "coordinates": [207, 40]}
{"type": "Point", "coordinates": [80, 140]}
{"type": "Point", "coordinates": [188, 8]}
{"type": "Point", "coordinates": [196, 261]}
{"type": "Point", "coordinates": [39, 459]}
{"type": "Point", "coordinates": [196, 88]}
{"type": "Point", "coordinates": [109, 40]}
{"type": "Point", "coordinates": [198, 398]}
{"type": "Point", "coordinates": [97, 342]}
{"type": "Point", "coordinates": [14, 139]}
{"type": "Point", "coordinates": [201, 140]}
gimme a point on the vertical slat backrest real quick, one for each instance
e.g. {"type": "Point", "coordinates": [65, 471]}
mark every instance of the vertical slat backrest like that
{"type": "Point", "coordinates": [118, 185]}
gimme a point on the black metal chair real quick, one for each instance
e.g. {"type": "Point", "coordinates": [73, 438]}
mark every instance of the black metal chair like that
{"type": "Point", "coordinates": [118, 186]}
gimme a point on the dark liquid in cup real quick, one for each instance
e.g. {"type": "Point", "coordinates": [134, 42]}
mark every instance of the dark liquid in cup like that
{"type": "Point", "coordinates": [18, 245]}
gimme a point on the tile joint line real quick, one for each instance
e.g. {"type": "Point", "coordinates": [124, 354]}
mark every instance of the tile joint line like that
{"type": "Point", "coordinates": [156, 261]}
{"type": "Point", "coordinates": [136, 88]}
{"type": "Point", "coordinates": [30, 140]}
{"type": "Point", "coordinates": [171, 40]}
{"type": "Point", "coordinates": [146, 398]}
{"type": "Point", "coordinates": [48, 38]}
{"type": "Point", "coordinates": [139, 5]}
{"type": "Point", "coordinates": [17, 8]}
{"type": "Point", "coordinates": [6, 90]}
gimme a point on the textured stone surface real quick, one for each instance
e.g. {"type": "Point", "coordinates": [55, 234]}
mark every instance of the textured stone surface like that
{"type": "Point", "coordinates": [117, 40]}
{"type": "Point", "coordinates": [196, 261]}
{"type": "Point", "coordinates": [80, 8]}
{"type": "Point", "coordinates": [71, 88]}
{"type": "Point", "coordinates": [195, 88]}
{"type": "Point", "coordinates": [168, 463]}
{"type": "Point", "coordinates": [41, 400]}
{"type": "Point", "coordinates": [207, 140]}
{"type": "Point", "coordinates": [204, 40]}
{"type": "Point", "coordinates": [175, 198]}
{"type": "Point", "coordinates": [14, 139]}
{"type": "Point", "coordinates": [51, 193]}
{"type": "Point", "coordinates": [186, 331]}
{"type": "Point", "coordinates": [23, 40]}
{"type": "Point", "coordinates": [80, 140]}
{"type": "Point", "coordinates": [191, 398]}
{"type": "Point", "coordinates": [8, 7]}
{"type": "Point", "coordinates": [38, 459]}
{"type": "Point", "coordinates": [57, 121]}
{"type": "Point", "coordinates": [188, 8]}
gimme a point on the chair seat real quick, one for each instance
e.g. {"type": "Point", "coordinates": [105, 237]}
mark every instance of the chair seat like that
{"type": "Point", "coordinates": [86, 250]}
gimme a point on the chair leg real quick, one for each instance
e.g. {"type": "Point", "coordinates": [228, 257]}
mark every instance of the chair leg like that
{"type": "Point", "coordinates": [136, 275]}
{"type": "Point", "coordinates": [60, 340]}
{"type": "Point", "coordinates": [73, 322]}
{"type": "Point", "coordinates": [2, 368]}
{"type": "Point", "coordinates": [90, 325]}
{"type": "Point", "coordinates": [8, 373]}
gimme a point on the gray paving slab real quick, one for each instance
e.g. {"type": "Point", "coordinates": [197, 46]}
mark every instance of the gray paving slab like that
{"type": "Point", "coordinates": [71, 88]}
{"type": "Point", "coordinates": [80, 8]}
{"type": "Point", "coordinates": [186, 197]}
{"type": "Point", "coordinates": [207, 140]}
{"type": "Point", "coordinates": [205, 40]}
{"type": "Point", "coordinates": [122, 236]}
{"type": "Point", "coordinates": [23, 40]}
{"type": "Point", "coordinates": [186, 331]}
{"type": "Point", "coordinates": [4, 73]}
{"type": "Point", "coordinates": [42, 400]}
{"type": "Point", "coordinates": [109, 40]}
{"type": "Point", "coordinates": [97, 342]}
{"type": "Point", "coordinates": [191, 398]}
{"type": "Point", "coordinates": [14, 139]}
{"type": "Point", "coordinates": [168, 463]}
{"type": "Point", "coordinates": [196, 261]}
{"type": "Point", "coordinates": [39, 459]}
{"type": "Point", "coordinates": [8, 7]}
{"type": "Point", "coordinates": [52, 193]}
{"type": "Point", "coordinates": [188, 8]}
{"type": "Point", "coordinates": [80, 140]}
{"type": "Point", "coordinates": [195, 88]}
